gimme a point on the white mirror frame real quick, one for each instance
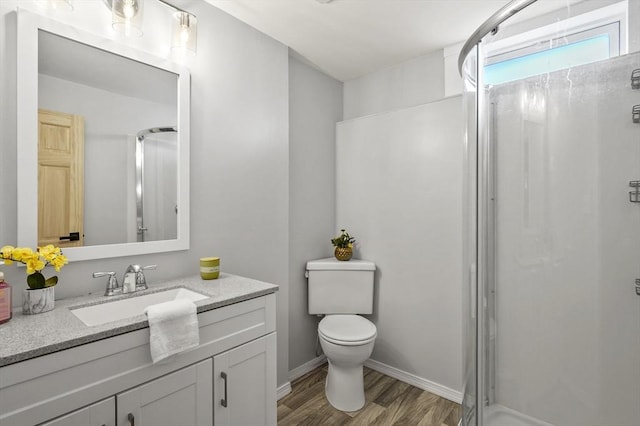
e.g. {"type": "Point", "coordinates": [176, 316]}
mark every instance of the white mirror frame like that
{"type": "Point", "coordinates": [27, 138]}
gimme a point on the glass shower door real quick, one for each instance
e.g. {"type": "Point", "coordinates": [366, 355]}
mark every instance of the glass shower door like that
{"type": "Point", "coordinates": [566, 249]}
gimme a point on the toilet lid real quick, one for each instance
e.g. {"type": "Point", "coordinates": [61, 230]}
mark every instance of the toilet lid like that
{"type": "Point", "coordinates": [347, 328]}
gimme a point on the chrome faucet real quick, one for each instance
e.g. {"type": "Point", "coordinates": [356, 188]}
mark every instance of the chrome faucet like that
{"type": "Point", "coordinates": [113, 287]}
{"type": "Point", "coordinates": [134, 279]}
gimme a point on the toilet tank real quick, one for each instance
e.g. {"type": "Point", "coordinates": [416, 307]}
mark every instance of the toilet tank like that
{"type": "Point", "coordinates": [340, 287]}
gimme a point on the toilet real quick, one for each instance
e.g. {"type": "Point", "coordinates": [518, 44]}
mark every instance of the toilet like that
{"type": "Point", "coordinates": [341, 291]}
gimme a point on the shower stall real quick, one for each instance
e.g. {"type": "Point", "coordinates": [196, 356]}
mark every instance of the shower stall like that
{"type": "Point", "coordinates": [552, 191]}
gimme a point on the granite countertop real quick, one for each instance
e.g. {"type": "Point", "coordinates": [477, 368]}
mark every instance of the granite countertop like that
{"type": "Point", "coordinates": [29, 336]}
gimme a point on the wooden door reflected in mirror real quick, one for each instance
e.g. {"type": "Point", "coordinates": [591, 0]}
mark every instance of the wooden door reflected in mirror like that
{"type": "Point", "coordinates": [60, 179]}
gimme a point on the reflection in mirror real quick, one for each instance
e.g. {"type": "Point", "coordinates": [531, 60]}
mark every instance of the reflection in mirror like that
{"type": "Point", "coordinates": [155, 160]}
{"type": "Point", "coordinates": [103, 90]}
{"type": "Point", "coordinates": [107, 130]}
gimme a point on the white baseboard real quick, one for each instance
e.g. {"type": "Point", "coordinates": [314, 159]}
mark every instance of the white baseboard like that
{"type": "Point", "coordinates": [419, 382]}
{"type": "Point", "coordinates": [307, 367]}
{"type": "Point", "coordinates": [283, 390]}
{"type": "Point", "coordinates": [403, 376]}
{"type": "Point", "coordinates": [300, 371]}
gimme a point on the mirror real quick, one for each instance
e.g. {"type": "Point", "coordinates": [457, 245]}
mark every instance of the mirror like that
{"type": "Point", "coordinates": [121, 118]}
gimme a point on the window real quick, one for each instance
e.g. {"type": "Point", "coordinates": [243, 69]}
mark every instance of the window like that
{"type": "Point", "coordinates": [591, 37]}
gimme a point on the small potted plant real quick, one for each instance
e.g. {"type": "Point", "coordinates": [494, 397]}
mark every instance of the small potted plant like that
{"type": "Point", "coordinates": [40, 296]}
{"type": "Point", "coordinates": [344, 245]}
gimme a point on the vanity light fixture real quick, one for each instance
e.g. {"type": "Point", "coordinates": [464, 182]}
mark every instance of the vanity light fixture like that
{"type": "Point", "coordinates": [126, 16]}
{"type": "Point", "coordinates": [184, 32]}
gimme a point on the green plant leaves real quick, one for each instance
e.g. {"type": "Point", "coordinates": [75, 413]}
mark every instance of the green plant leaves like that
{"type": "Point", "coordinates": [51, 281]}
{"type": "Point", "coordinates": [343, 240]}
{"type": "Point", "coordinates": [36, 280]}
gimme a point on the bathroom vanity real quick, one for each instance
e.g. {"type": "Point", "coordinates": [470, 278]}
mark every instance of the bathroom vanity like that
{"type": "Point", "coordinates": [55, 370]}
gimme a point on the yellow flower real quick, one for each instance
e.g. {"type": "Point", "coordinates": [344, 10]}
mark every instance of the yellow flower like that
{"type": "Point", "coordinates": [21, 253]}
{"type": "Point", "coordinates": [58, 262]}
{"type": "Point", "coordinates": [49, 252]}
{"type": "Point", "coordinates": [6, 251]}
{"type": "Point", "coordinates": [34, 263]}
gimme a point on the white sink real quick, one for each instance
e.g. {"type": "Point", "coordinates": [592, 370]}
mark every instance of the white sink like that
{"type": "Point", "coordinates": [126, 308]}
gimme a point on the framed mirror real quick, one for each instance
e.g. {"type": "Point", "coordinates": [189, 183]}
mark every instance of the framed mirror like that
{"type": "Point", "coordinates": [103, 144]}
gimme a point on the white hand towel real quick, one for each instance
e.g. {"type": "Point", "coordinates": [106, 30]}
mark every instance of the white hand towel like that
{"type": "Point", "coordinates": [173, 328]}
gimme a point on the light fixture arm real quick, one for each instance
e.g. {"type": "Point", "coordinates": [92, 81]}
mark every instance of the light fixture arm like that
{"type": "Point", "coordinates": [177, 9]}
{"type": "Point", "coordinates": [109, 4]}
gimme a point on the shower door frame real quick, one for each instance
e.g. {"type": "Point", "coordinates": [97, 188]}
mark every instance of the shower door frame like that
{"type": "Point", "coordinates": [484, 244]}
{"type": "Point", "coordinates": [484, 255]}
{"type": "Point", "coordinates": [139, 175]}
{"type": "Point", "coordinates": [481, 245]}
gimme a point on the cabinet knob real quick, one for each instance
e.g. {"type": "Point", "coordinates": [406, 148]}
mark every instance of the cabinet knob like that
{"type": "Point", "coordinates": [132, 419]}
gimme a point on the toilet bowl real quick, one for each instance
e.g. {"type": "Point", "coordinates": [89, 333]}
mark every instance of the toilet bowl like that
{"type": "Point", "coordinates": [347, 341]}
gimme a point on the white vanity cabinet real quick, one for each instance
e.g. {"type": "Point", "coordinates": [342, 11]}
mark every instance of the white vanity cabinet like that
{"type": "Point", "coordinates": [245, 384]}
{"type": "Point", "coordinates": [180, 398]}
{"type": "Point", "coordinates": [113, 381]}
{"type": "Point", "coordinates": [101, 413]}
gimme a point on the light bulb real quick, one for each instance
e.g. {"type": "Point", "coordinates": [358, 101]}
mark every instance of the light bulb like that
{"type": "Point", "coordinates": [128, 9]}
{"type": "Point", "coordinates": [185, 29]}
{"type": "Point", "coordinates": [126, 16]}
{"type": "Point", "coordinates": [184, 35]}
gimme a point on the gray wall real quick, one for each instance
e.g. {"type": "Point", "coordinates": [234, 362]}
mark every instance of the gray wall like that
{"type": "Point", "coordinates": [410, 83]}
{"type": "Point", "coordinates": [315, 106]}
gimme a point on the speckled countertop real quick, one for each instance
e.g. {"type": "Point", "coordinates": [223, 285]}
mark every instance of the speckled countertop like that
{"type": "Point", "coordinates": [29, 336]}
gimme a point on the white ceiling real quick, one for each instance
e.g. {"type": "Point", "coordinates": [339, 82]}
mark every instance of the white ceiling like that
{"type": "Point", "coordinates": [350, 38]}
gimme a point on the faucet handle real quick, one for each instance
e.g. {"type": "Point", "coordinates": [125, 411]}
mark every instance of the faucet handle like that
{"type": "Point", "coordinates": [113, 287]}
{"type": "Point", "coordinates": [141, 280]}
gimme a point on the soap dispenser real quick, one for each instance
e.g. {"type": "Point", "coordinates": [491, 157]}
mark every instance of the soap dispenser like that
{"type": "Point", "coordinates": [5, 300]}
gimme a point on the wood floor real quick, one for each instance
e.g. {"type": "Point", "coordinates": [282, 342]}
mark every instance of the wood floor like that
{"type": "Point", "coordinates": [388, 402]}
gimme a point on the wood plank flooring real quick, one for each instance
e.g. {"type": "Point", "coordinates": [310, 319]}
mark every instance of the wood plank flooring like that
{"type": "Point", "coordinates": [388, 402]}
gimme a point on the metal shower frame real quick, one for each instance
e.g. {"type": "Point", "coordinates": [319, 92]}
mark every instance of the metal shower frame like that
{"type": "Point", "coordinates": [139, 159]}
{"type": "Point", "coordinates": [485, 185]}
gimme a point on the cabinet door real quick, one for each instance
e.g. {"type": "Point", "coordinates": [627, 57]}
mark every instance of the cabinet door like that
{"type": "Point", "coordinates": [180, 398]}
{"type": "Point", "coordinates": [245, 384]}
{"type": "Point", "coordinates": [101, 413]}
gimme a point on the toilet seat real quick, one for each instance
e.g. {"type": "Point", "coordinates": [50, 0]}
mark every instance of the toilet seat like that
{"type": "Point", "coordinates": [347, 330]}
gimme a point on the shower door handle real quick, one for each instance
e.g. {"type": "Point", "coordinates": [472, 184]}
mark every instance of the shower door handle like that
{"type": "Point", "coordinates": [638, 286]}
